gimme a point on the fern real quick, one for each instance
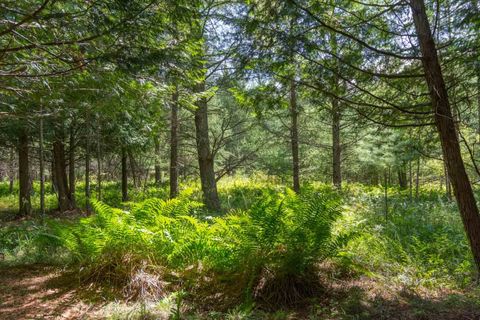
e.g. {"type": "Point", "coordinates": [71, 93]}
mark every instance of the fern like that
{"type": "Point", "coordinates": [282, 234]}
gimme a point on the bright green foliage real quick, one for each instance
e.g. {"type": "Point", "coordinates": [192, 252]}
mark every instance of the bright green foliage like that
{"type": "Point", "coordinates": [282, 235]}
{"type": "Point", "coordinates": [421, 244]}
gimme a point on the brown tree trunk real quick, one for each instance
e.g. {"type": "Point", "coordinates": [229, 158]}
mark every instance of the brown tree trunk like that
{"type": "Point", "coordinates": [402, 177]}
{"type": "Point", "coordinates": [87, 167]}
{"type": "Point", "coordinates": [99, 169]}
{"type": "Point", "coordinates": [64, 200]}
{"type": "Point", "coordinates": [42, 167]}
{"type": "Point", "coordinates": [336, 146]}
{"type": "Point", "coordinates": [124, 175]}
{"type": "Point", "coordinates": [11, 169]}
{"type": "Point", "coordinates": [410, 179]}
{"type": "Point", "coordinates": [174, 145]}
{"type": "Point", "coordinates": [448, 186]}
{"type": "Point", "coordinates": [294, 136]}
{"type": "Point", "coordinates": [205, 156]}
{"type": "Point", "coordinates": [53, 184]}
{"type": "Point", "coordinates": [71, 166]}
{"type": "Point", "coordinates": [446, 129]}
{"type": "Point", "coordinates": [386, 174]}
{"type": "Point", "coordinates": [25, 186]}
{"type": "Point", "coordinates": [417, 179]}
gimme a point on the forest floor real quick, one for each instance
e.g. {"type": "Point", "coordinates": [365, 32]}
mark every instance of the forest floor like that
{"type": "Point", "coordinates": [43, 292]}
{"type": "Point", "coordinates": [416, 266]}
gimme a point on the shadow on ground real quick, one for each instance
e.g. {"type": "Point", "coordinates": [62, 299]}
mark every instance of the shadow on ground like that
{"type": "Point", "coordinates": [39, 292]}
{"type": "Point", "coordinates": [365, 298]}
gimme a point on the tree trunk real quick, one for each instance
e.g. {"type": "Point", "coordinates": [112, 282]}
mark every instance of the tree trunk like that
{"type": "Point", "coordinates": [294, 136]}
{"type": "Point", "coordinates": [42, 168]}
{"type": "Point", "coordinates": [402, 177]}
{"type": "Point", "coordinates": [53, 179]}
{"type": "Point", "coordinates": [11, 170]}
{"type": "Point", "coordinates": [417, 179]}
{"type": "Point", "coordinates": [124, 175]}
{"type": "Point", "coordinates": [336, 146]}
{"type": "Point", "coordinates": [205, 156]}
{"type": "Point", "coordinates": [410, 179]}
{"type": "Point", "coordinates": [71, 165]}
{"type": "Point", "coordinates": [448, 185]}
{"type": "Point", "coordinates": [174, 145]}
{"type": "Point", "coordinates": [99, 169]}
{"type": "Point", "coordinates": [64, 200]}
{"type": "Point", "coordinates": [387, 173]}
{"type": "Point", "coordinates": [158, 172]}
{"type": "Point", "coordinates": [446, 129]}
{"type": "Point", "coordinates": [25, 186]}
{"type": "Point", "coordinates": [87, 167]}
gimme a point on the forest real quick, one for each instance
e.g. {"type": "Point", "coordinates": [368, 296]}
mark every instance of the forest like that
{"type": "Point", "coordinates": [239, 159]}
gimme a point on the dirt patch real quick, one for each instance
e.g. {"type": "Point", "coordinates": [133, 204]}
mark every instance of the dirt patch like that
{"type": "Point", "coordinates": [37, 292]}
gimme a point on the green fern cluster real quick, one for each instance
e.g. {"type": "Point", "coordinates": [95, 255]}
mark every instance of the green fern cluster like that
{"type": "Point", "coordinates": [282, 235]}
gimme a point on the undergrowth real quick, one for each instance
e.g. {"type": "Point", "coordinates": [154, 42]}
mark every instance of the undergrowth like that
{"type": "Point", "coordinates": [264, 249]}
{"type": "Point", "coordinates": [266, 253]}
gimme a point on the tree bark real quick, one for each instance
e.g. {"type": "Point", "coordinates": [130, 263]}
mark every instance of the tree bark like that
{"type": "Point", "coordinates": [42, 167]}
{"type": "Point", "coordinates": [174, 145]}
{"type": "Point", "coordinates": [71, 165]}
{"type": "Point", "coordinates": [99, 169]}
{"type": "Point", "coordinates": [205, 156]}
{"type": "Point", "coordinates": [11, 170]}
{"type": "Point", "coordinates": [336, 146]}
{"type": "Point", "coordinates": [410, 180]}
{"type": "Point", "coordinates": [417, 179]}
{"type": "Point", "coordinates": [64, 197]}
{"type": "Point", "coordinates": [87, 166]}
{"type": "Point", "coordinates": [294, 136]}
{"type": "Point", "coordinates": [446, 129]}
{"type": "Point", "coordinates": [386, 174]}
{"type": "Point", "coordinates": [402, 177]}
{"type": "Point", "coordinates": [25, 187]}
{"type": "Point", "coordinates": [448, 185]}
{"type": "Point", "coordinates": [124, 175]}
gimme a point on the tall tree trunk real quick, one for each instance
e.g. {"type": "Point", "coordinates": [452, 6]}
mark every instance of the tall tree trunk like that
{"type": "Point", "coordinates": [446, 129]}
{"type": "Point", "coordinates": [87, 166]}
{"type": "Point", "coordinates": [158, 172]}
{"type": "Point", "coordinates": [448, 185]}
{"type": "Point", "coordinates": [53, 179]}
{"type": "Point", "coordinates": [417, 179]}
{"type": "Point", "coordinates": [124, 175]}
{"type": "Point", "coordinates": [71, 165]}
{"type": "Point", "coordinates": [336, 146]}
{"type": "Point", "coordinates": [64, 200]}
{"type": "Point", "coordinates": [385, 182]}
{"type": "Point", "coordinates": [174, 145]}
{"type": "Point", "coordinates": [42, 167]}
{"type": "Point", "coordinates": [476, 11]}
{"type": "Point", "coordinates": [25, 187]}
{"type": "Point", "coordinates": [99, 169]}
{"type": "Point", "coordinates": [402, 177]}
{"type": "Point", "coordinates": [410, 180]}
{"type": "Point", "coordinates": [11, 170]}
{"type": "Point", "coordinates": [205, 156]}
{"type": "Point", "coordinates": [294, 136]}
